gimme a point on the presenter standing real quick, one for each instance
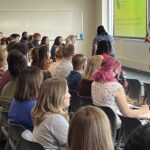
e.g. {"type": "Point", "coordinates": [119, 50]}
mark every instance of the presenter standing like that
{"type": "Point", "coordinates": [102, 35]}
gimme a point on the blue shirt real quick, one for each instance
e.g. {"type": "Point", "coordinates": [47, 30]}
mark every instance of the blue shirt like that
{"type": "Point", "coordinates": [20, 113]}
{"type": "Point", "coordinates": [73, 80]}
{"type": "Point", "coordinates": [105, 38]}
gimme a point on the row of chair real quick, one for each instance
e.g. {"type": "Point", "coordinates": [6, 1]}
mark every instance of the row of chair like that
{"type": "Point", "coordinates": [19, 138]}
{"type": "Point", "coordinates": [135, 89]}
{"type": "Point", "coordinates": [78, 101]}
{"type": "Point", "coordinates": [127, 126]}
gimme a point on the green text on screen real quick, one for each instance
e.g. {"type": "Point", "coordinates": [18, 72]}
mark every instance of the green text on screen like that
{"type": "Point", "coordinates": [130, 18]}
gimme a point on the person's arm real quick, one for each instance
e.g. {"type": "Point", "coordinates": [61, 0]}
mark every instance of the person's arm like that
{"type": "Point", "coordinates": [124, 108]}
{"type": "Point", "coordinates": [94, 48]}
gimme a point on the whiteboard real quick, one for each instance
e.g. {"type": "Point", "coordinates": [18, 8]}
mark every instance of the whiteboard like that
{"type": "Point", "coordinates": [48, 23]}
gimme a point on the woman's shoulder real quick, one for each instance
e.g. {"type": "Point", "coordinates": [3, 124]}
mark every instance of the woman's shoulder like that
{"type": "Point", "coordinates": [107, 84]}
{"type": "Point", "coordinates": [55, 119]}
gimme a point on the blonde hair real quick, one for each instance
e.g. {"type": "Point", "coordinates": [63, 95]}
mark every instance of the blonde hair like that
{"type": "Point", "coordinates": [90, 130]}
{"type": "Point", "coordinates": [92, 65]}
{"type": "Point", "coordinates": [50, 99]}
{"type": "Point", "coordinates": [69, 39]}
{"type": "Point", "coordinates": [3, 57]}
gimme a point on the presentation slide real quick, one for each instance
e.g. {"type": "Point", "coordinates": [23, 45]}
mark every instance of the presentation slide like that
{"type": "Point", "coordinates": [130, 18]}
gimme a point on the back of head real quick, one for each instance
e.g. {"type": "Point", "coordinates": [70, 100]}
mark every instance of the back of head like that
{"type": "Point", "coordinates": [43, 56]}
{"type": "Point", "coordinates": [16, 63]}
{"type": "Point", "coordinates": [36, 36]}
{"type": "Point", "coordinates": [78, 62]}
{"type": "Point", "coordinates": [28, 83]}
{"type": "Point", "coordinates": [58, 52]}
{"type": "Point", "coordinates": [21, 47]}
{"type": "Point", "coordinates": [15, 35]}
{"type": "Point", "coordinates": [140, 139]}
{"type": "Point", "coordinates": [50, 99]}
{"type": "Point", "coordinates": [68, 50]}
{"type": "Point", "coordinates": [24, 34]}
{"type": "Point", "coordinates": [103, 47]}
{"type": "Point", "coordinates": [109, 67]}
{"type": "Point", "coordinates": [92, 65]}
{"type": "Point", "coordinates": [70, 39]}
{"type": "Point", "coordinates": [35, 56]}
{"type": "Point", "coordinates": [90, 130]}
{"type": "Point", "coordinates": [43, 40]}
{"type": "Point", "coordinates": [101, 30]}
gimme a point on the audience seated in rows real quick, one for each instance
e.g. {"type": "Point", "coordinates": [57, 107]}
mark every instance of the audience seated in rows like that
{"type": "Point", "coordinates": [79, 62]}
{"type": "Point", "coordinates": [6, 77]}
{"type": "Point", "coordinates": [26, 91]}
{"type": "Point", "coordinates": [50, 114]}
{"type": "Point", "coordinates": [90, 130]}
{"type": "Point", "coordinates": [106, 91]}
{"type": "Point", "coordinates": [84, 87]}
{"type": "Point", "coordinates": [65, 67]}
{"type": "Point", "coordinates": [16, 63]}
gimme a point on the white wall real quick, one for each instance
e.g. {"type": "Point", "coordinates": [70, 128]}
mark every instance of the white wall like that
{"type": "Point", "coordinates": [133, 53]}
{"type": "Point", "coordinates": [87, 6]}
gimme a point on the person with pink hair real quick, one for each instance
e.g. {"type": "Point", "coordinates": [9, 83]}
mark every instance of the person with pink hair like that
{"type": "Point", "coordinates": [107, 91]}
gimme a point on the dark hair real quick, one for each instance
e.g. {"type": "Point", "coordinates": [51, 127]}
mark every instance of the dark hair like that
{"type": "Point", "coordinates": [24, 33]}
{"type": "Point", "coordinates": [103, 47]}
{"type": "Point", "coordinates": [68, 50]}
{"type": "Point", "coordinates": [24, 37]}
{"type": "Point", "coordinates": [140, 139]}
{"type": "Point", "coordinates": [43, 56]}
{"type": "Point", "coordinates": [43, 40]}
{"type": "Point", "coordinates": [101, 30]}
{"type": "Point", "coordinates": [59, 54]}
{"type": "Point", "coordinates": [30, 38]}
{"type": "Point", "coordinates": [57, 42]}
{"type": "Point", "coordinates": [28, 84]}
{"type": "Point", "coordinates": [78, 61]}
{"type": "Point", "coordinates": [3, 41]}
{"type": "Point", "coordinates": [14, 35]}
{"type": "Point", "coordinates": [16, 63]}
{"type": "Point", "coordinates": [21, 47]}
{"type": "Point", "coordinates": [35, 56]}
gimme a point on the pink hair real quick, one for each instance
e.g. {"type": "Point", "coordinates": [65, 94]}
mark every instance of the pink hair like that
{"type": "Point", "coordinates": [105, 73]}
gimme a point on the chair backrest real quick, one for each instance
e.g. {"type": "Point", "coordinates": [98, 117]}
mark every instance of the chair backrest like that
{"type": "Point", "coordinates": [75, 102]}
{"type": "Point", "coordinates": [135, 89]}
{"type": "Point", "coordinates": [86, 100]}
{"type": "Point", "coordinates": [147, 93]}
{"type": "Point", "coordinates": [112, 118]}
{"type": "Point", "coordinates": [14, 135]}
{"type": "Point", "coordinates": [27, 142]}
{"type": "Point", "coordinates": [4, 123]}
{"type": "Point", "coordinates": [128, 125]}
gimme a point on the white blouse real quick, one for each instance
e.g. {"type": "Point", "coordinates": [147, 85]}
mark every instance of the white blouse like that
{"type": "Point", "coordinates": [104, 94]}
